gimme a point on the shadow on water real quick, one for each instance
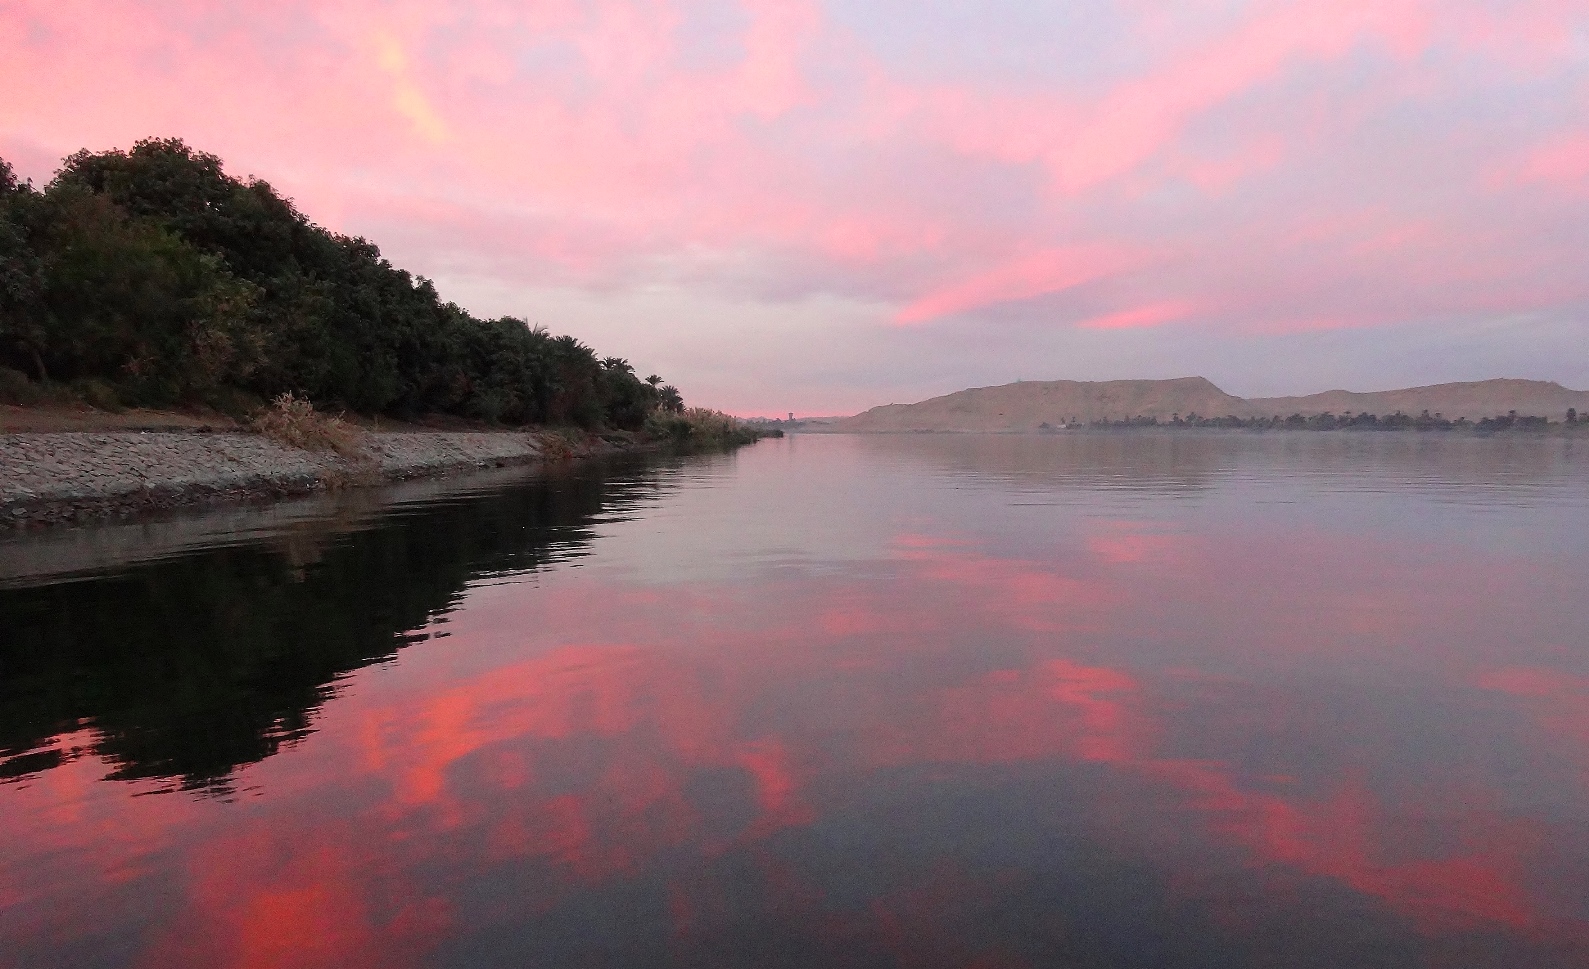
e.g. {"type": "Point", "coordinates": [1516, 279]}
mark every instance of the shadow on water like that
{"type": "Point", "coordinates": [235, 647]}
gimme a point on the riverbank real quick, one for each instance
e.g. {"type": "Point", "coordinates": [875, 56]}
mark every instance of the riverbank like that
{"type": "Point", "coordinates": [301, 527]}
{"type": "Point", "coordinates": [66, 477]}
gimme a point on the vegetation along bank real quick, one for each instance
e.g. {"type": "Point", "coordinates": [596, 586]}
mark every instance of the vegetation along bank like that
{"type": "Point", "coordinates": [153, 279]}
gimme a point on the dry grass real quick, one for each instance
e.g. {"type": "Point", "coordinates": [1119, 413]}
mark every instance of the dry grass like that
{"type": "Point", "coordinates": [293, 421]}
{"type": "Point", "coordinates": [557, 445]}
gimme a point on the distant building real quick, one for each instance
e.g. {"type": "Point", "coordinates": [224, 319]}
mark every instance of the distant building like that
{"type": "Point", "coordinates": [791, 415]}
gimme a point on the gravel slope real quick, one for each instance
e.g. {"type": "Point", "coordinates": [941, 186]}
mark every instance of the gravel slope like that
{"type": "Point", "coordinates": [47, 478]}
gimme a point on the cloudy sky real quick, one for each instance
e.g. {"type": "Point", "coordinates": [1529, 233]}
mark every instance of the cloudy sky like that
{"type": "Point", "coordinates": [821, 206]}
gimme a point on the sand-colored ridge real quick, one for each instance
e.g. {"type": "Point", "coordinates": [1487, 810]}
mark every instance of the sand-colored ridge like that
{"type": "Point", "coordinates": [1474, 399]}
{"type": "Point", "coordinates": [1036, 405]}
{"type": "Point", "coordinates": [1028, 405]}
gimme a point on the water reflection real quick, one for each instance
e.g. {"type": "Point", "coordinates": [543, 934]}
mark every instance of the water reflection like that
{"type": "Point", "coordinates": [193, 665]}
{"type": "Point", "coordinates": [1180, 463]}
{"type": "Point", "coordinates": [1179, 731]}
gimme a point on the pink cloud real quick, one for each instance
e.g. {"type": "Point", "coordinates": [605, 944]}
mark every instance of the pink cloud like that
{"type": "Point", "coordinates": [588, 146]}
{"type": "Point", "coordinates": [1084, 143]}
{"type": "Point", "coordinates": [1155, 314]}
{"type": "Point", "coordinates": [1562, 163]}
{"type": "Point", "coordinates": [1047, 271]}
{"type": "Point", "coordinates": [1221, 174]}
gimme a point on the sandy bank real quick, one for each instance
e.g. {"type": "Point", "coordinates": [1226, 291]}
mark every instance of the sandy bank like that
{"type": "Point", "coordinates": [65, 477]}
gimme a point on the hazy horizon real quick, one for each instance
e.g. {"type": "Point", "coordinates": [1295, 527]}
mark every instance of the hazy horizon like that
{"type": "Point", "coordinates": [1350, 390]}
{"type": "Point", "coordinates": [821, 207]}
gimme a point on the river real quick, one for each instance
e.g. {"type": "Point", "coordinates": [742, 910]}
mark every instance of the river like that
{"type": "Point", "coordinates": [1103, 700]}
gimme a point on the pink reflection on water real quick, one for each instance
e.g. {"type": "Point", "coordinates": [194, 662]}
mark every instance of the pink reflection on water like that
{"type": "Point", "coordinates": [1557, 703]}
{"type": "Point", "coordinates": [300, 897]}
{"type": "Point", "coordinates": [576, 761]}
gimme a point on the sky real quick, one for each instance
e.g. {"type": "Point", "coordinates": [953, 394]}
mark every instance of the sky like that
{"type": "Point", "coordinates": [820, 207]}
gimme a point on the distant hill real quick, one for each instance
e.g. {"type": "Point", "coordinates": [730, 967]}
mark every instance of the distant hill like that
{"type": "Point", "coordinates": [1474, 400]}
{"type": "Point", "coordinates": [1030, 405]}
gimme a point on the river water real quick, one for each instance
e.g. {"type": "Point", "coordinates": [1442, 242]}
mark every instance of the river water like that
{"type": "Point", "coordinates": [1147, 700]}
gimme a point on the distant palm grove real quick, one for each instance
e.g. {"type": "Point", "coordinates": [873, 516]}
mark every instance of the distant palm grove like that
{"type": "Point", "coordinates": [153, 278]}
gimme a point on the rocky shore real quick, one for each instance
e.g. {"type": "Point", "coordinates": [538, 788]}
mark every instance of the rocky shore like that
{"type": "Point", "coordinates": [56, 478]}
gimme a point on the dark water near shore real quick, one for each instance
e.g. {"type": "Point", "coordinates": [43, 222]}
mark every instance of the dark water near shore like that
{"type": "Point", "coordinates": [1121, 700]}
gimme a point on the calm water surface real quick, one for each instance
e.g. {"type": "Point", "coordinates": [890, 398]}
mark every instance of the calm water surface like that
{"type": "Point", "coordinates": [1140, 700]}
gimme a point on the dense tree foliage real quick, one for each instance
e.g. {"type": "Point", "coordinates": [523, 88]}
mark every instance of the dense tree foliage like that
{"type": "Point", "coordinates": [159, 279]}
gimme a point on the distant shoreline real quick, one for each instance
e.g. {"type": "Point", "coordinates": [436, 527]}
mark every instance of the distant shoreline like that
{"type": "Point", "coordinates": [1036, 406]}
{"type": "Point", "coordinates": [1555, 429]}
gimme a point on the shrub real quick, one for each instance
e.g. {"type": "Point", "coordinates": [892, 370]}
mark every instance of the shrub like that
{"type": "Point", "coordinates": [293, 421]}
{"type": "Point", "coordinates": [558, 445]}
{"type": "Point", "coordinates": [98, 394]}
{"type": "Point", "coordinates": [234, 403]}
{"type": "Point", "coordinates": [16, 388]}
{"type": "Point", "coordinates": [698, 428]}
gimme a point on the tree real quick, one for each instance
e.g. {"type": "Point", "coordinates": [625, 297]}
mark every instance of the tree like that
{"type": "Point", "coordinates": [126, 301]}
{"type": "Point", "coordinates": [21, 327]}
{"type": "Point", "coordinates": [156, 271]}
